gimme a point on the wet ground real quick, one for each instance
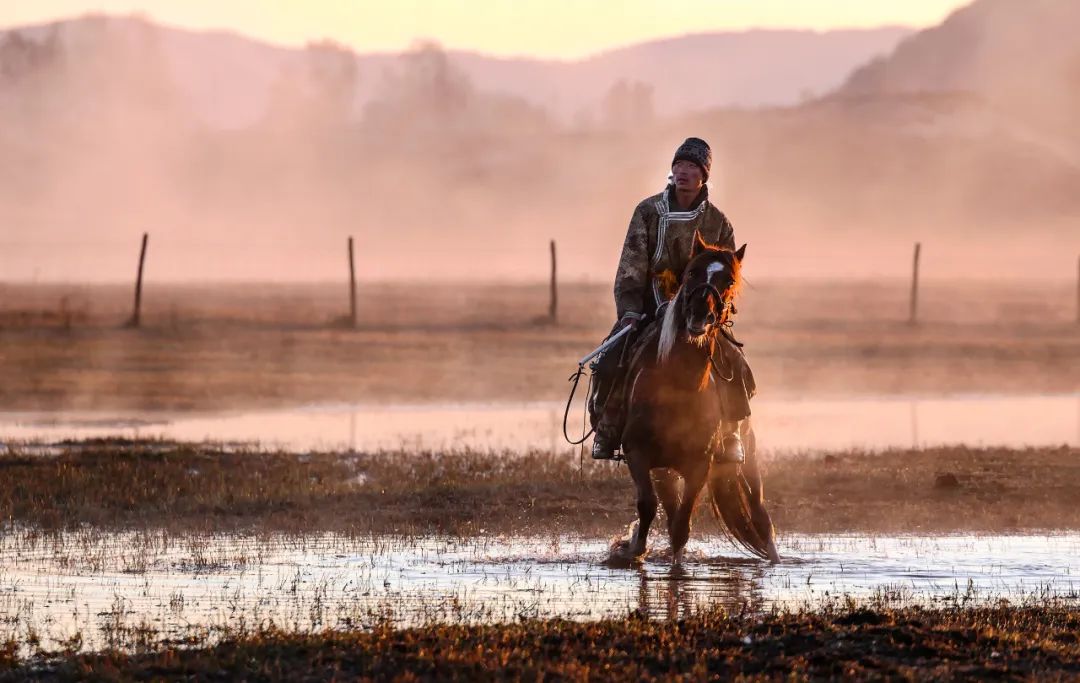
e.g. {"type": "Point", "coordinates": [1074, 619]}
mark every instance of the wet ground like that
{"type": "Point", "coordinates": [120, 588]}
{"type": "Point", "coordinates": [872, 422]}
{"type": "Point", "coordinates": [107, 585]}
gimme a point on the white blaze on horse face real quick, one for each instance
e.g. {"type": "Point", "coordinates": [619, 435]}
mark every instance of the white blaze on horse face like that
{"type": "Point", "coordinates": [669, 330]}
{"type": "Point", "coordinates": [714, 267]}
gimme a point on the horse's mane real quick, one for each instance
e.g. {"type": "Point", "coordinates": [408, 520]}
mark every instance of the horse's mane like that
{"type": "Point", "coordinates": [669, 325]}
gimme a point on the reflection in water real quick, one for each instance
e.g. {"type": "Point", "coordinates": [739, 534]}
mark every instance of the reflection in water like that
{"type": "Point", "coordinates": [783, 426]}
{"type": "Point", "coordinates": [94, 583]}
{"type": "Point", "coordinates": [677, 594]}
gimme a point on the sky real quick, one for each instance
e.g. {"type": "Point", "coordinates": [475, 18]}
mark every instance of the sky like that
{"type": "Point", "coordinates": [552, 29]}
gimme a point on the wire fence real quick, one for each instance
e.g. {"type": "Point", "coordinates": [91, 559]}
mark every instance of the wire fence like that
{"type": "Point", "coordinates": [160, 261]}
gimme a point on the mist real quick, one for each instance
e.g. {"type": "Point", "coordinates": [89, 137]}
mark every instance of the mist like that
{"type": "Point", "coordinates": [438, 179]}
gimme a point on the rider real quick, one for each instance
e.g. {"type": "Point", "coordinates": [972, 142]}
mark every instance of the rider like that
{"type": "Point", "coordinates": [654, 256]}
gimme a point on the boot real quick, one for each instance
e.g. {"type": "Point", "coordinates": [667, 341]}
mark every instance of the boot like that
{"type": "Point", "coordinates": [608, 427]}
{"type": "Point", "coordinates": [731, 447]}
{"type": "Point", "coordinates": [604, 446]}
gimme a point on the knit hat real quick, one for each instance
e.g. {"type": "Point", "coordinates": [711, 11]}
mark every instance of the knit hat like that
{"type": "Point", "coordinates": [697, 151]}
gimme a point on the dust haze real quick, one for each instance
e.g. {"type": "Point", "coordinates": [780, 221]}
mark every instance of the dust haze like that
{"type": "Point", "coordinates": [441, 180]}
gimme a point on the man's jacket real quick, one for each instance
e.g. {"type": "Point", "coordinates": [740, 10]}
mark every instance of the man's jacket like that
{"type": "Point", "coordinates": [657, 249]}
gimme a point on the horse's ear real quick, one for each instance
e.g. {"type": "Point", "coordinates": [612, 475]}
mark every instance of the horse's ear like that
{"type": "Point", "coordinates": [740, 253]}
{"type": "Point", "coordinates": [699, 246]}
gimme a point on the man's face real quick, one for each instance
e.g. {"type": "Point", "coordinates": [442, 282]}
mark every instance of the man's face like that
{"type": "Point", "coordinates": [688, 175]}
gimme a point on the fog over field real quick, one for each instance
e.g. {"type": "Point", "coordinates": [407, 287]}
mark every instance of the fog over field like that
{"type": "Point", "coordinates": [255, 468]}
{"type": "Point", "coordinates": [443, 171]}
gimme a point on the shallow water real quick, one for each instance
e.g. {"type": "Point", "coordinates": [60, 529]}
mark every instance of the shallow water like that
{"type": "Point", "coordinates": [782, 426]}
{"type": "Point", "coordinates": [103, 585]}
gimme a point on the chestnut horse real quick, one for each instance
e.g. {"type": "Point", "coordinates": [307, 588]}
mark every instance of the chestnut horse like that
{"type": "Point", "coordinates": [674, 415]}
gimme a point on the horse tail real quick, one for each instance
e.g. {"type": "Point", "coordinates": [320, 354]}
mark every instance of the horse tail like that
{"type": "Point", "coordinates": [738, 501]}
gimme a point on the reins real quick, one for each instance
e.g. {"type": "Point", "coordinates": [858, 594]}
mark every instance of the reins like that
{"type": "Point", "coordinates": [723, 326]}
{"type": "Point", "coordinates": [576, 379]}
{"type": "Point", "coordinates": [719, 372]}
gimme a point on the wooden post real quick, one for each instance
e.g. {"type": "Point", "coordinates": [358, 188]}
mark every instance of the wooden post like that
{"type": "Point", "coordinates": [352, 285]}
{"type": "Point", "coordinates": [553, 306]}
{"type": "Point", "coordinates": [136, 315]}
{"type": "Point", "coordinates": [913, 315]}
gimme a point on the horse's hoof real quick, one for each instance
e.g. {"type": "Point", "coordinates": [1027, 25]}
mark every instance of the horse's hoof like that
{"type": "Point", "coordinates": [630, 554]}
{"type": "Point", "coordinates": [624, 558]}
{"type": "Point", "coordinates": [677, 557]}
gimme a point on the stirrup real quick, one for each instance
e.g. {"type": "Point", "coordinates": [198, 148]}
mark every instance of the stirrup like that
{"type": "Point", "coordinates": [730, 453]}
{"type": "Point", "coordinates": [601, 451]}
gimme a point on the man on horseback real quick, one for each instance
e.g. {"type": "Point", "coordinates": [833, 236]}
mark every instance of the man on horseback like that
{"type": "Point", "coordinates": [658, 244]}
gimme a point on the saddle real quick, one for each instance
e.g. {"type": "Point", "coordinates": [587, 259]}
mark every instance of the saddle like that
{"type": "Point", "coordinates": [740, 386]}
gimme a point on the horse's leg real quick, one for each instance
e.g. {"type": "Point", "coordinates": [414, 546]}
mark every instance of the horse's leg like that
{"type": "Point", "coordinates": [679, 529]}
{"type": "Point", "coordinates": [668, 484]}
{"type": "Point", "coordinates": [646, 504]}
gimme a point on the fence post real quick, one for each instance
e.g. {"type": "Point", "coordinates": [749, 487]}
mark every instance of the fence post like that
{"type": "Point", "coordinates": [352, 284]}
{"type": "Point", "coordinates": [136, 315]}
{"type": "Point", "coordinates": [913, 314]}
{"type": "Point", "coordinates": [553, 306]}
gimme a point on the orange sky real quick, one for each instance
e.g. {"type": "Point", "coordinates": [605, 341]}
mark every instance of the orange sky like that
{"type": "Point", "coordinates": [562, 29]}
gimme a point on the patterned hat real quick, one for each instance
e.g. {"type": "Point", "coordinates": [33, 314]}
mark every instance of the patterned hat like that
{"type": "Point", "coordinates": [695, 150]}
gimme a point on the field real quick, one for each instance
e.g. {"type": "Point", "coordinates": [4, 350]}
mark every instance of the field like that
{"type": "Point", "coordinates": [219, 565]}
{"type": "Point", "coordinates": [240, 346]}
{"type": "Point", "coordinates": [150, 559]}
{"type": "Point", "coordinates": [185, 488]}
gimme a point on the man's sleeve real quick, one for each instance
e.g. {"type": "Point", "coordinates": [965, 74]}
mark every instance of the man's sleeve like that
{"type": "Point", "coordinates": [727, 234]}
{"type": "Point", "coordinates": [631, 280]}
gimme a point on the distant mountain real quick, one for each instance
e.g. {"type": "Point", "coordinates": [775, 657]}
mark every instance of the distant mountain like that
{"type": "Point", "coordinates": [228, 78]}
{"type": "Point", "coordinates": [695, 72]}
{"type": "Point", "coordinates": [437, 163]}
{"type": "Point", "coordinates": [1021, 58]}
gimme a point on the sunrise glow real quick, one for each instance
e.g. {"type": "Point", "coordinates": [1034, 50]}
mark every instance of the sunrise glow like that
{"type": "Point", "coordinates": [556, 29]}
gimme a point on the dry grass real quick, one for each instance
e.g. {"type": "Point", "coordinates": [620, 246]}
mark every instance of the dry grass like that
{"type": "Point", "coordinates": [189, 488]}
{"type": "Point", "coordinates": [236, 346]}
{"type": "Point", "coordinates": [119, 484]}
{"type": "Point", "coordinates": [851, 642]}
{"type": "Point", "coordinates": [997, 489]}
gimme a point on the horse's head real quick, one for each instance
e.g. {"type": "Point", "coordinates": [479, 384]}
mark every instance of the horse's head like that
{"type": "Point", "coordinates": [704, 301]}
{"type": "Point", "coordinates": [708, 286]}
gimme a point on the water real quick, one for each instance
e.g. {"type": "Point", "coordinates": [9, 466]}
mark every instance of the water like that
{"type": "Point", "coordinates": [782, 426]}
{"type": "Point", "coordinates": [104, 584]}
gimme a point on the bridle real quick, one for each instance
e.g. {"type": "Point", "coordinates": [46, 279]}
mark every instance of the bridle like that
{"type": "Point", "coordinates": [722, 324]}
{"type": "Point", "coordinates": [727, 308]}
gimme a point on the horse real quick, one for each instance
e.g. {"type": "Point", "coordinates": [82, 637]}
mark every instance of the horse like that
{"type": "Point", "coordinates": [674, 415]}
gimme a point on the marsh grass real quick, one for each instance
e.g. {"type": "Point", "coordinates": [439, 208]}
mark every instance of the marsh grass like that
{"type": "Point", "coordinates": [198, 488]}
{"type": "Point", "coordinates": [850, 639]}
